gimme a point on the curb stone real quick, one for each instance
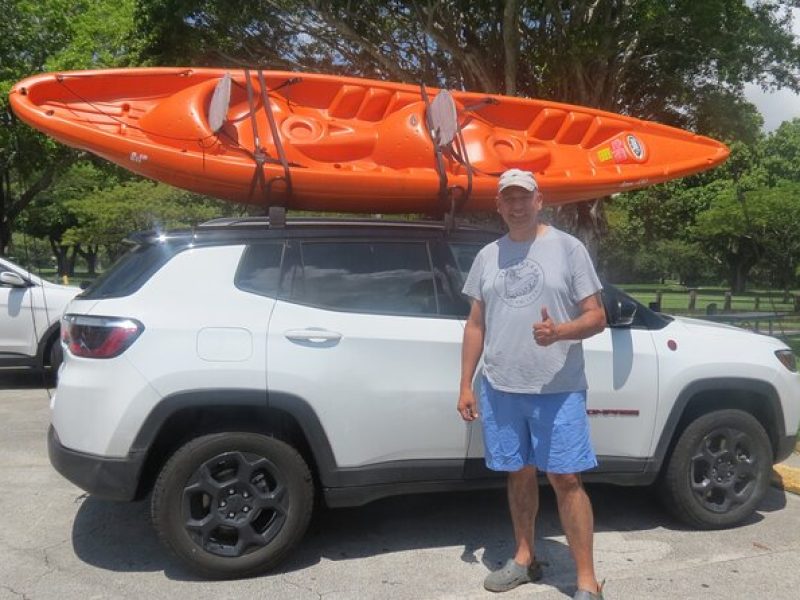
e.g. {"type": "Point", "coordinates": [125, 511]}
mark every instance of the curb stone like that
{"type": "Point", "coordinates": [786, 478]}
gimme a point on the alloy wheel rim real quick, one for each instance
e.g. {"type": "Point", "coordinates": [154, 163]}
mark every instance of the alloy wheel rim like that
{"type": "Point", "coordinates": [234, 504]}
{"type": "Point", "coordinates": [724, 469]}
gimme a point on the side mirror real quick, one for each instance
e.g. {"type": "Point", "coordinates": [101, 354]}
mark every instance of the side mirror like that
{"type": "Point", "coordinates": [620, 313]}
{"type": "Point", "coordinates": [85, 284]}
{"type": "Point", "coordinates": [12, 279]}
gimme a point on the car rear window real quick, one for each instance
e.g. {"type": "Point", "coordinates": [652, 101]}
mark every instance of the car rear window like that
{"type": "Point", "coordinates": [131, 271]}
{"type": "Point", "coordinates": [260, 269]}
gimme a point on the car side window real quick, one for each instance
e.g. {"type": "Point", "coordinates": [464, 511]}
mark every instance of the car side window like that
{"type": "Point", "coordinates": [464, 254]}
{"type": "Point", "coordinates": [260, 268]}
{"type": "Point", "coordinates": [371, 276]}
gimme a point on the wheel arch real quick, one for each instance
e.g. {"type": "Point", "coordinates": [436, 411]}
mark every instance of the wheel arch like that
{"type": "Point", "coordinates": [756, 397]}
{"type": "Point", "coordinates": [51, 336]}
{"type": "Point", "coordinates": [181, 417]}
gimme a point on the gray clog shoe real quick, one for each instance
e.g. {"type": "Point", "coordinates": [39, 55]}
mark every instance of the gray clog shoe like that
{"type": "Point", "coordinates": [512, 575]}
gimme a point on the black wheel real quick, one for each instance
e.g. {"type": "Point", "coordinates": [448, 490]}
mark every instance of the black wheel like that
{"type": "Point", "coordinates": [719, 470]}
{"type": "Point", "coordinates": [232, 504]}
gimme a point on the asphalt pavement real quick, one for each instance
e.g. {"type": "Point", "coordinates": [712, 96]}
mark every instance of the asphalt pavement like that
{"type": "Point", "coordinates": [58, 543]}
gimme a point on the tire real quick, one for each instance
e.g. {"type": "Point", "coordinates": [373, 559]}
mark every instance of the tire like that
{"type": "Point", "coordinates": [55, 355]}
{"type": "Point", "coordinates": [232, 504]}
{"type": "Point", "coordinates": [719, 470]}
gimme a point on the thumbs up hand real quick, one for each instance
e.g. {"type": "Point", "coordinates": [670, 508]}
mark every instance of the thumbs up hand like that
{"type": "Point", "coordinates": [544, 332]}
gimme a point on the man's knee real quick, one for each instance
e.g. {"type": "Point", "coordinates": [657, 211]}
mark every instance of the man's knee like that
{"type": "Point", "coordinates": [564, 483]}
{"type": "Point", "coordinates": [525, 472]}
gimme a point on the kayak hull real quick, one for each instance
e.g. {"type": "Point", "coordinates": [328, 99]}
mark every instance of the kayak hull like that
{"type": "Point", "coordinates": [350, 145]}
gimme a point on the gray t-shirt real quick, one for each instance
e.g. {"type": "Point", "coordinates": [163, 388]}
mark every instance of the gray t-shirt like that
{"type": "Point", "coordinates": [515, 280]}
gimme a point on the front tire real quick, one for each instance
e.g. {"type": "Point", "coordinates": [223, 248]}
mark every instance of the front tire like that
{"type": "Point", "coordinates": [232, 504]}
{"type": "Point", "coordinates": [719, 470]}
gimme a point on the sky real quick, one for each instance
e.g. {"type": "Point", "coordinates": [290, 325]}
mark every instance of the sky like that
{"type": "Point", "coordinates": [776, 107]}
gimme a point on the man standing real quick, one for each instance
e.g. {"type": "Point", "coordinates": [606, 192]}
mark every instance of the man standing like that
{"type": "Point", "coordinates": [535, 295]}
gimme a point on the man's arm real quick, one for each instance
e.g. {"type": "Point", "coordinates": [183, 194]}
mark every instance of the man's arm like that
{"type": "Point", "coordinates": [471, 350]}
{"type": "Point", "coordinates": [591, 321]}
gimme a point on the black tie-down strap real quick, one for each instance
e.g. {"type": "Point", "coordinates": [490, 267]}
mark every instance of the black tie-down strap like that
{"type": "Point", "coordinates": [276, 210]}
{"type": "Point", "coordinates": [441, 118]}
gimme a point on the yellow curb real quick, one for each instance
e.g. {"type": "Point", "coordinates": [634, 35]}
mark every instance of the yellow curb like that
{"type": "Point", "coordinates": [786, 478]}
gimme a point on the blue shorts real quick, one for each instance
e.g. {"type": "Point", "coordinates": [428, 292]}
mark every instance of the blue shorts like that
{"type": "Point", "coordinates": [548, 431]}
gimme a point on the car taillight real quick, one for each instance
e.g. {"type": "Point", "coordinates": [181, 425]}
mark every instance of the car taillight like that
{"type": "Point", "coordinates": [98, 337]}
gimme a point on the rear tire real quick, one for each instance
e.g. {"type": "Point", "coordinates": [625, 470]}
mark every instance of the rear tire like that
{"type": "Point", "coordinates": [232, 504]}
{"type": "Point", "coordinates": [719, 470]}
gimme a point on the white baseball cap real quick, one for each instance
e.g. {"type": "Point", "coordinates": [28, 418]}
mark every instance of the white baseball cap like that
{"type": "Point", "coordinates": [517, 178]}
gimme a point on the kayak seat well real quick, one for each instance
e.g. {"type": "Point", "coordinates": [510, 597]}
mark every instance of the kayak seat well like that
{"type": "Point", "coordinates": [493, 150]}
{"type": "Point", "coordinates": [181, 118]}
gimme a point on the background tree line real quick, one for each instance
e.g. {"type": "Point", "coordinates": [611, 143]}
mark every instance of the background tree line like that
{"type": "Point", "coordinates": [678, 62]}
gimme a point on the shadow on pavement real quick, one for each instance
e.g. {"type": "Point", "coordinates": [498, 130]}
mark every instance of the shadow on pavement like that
{"type": "Point", "coordinates": [118, 537]}
{"type": "Point", "coordinates": [25, 379]}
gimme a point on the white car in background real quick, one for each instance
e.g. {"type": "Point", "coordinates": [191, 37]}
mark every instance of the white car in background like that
{"type": "Point", "coordinates": [30, 313]}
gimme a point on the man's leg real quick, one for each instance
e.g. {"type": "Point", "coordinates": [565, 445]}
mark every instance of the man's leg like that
{"type": "Point", "coordinates": [523, 502]}
{"type": "Point", "coordinates": [575, 512]}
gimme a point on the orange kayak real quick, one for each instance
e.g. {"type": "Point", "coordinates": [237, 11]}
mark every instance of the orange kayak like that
{"type": "Point", "coordinates": [330, 143]}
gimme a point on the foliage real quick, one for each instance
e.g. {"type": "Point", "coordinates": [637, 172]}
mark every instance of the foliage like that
{"type": "Point", "coordinates": [741, 217]}
{"type": "Point", "coordinates": [40, 36]}
{"type": "Point", "coordinates": [107, 215]}
{"type": "Point", "coordinates": [678, 61]}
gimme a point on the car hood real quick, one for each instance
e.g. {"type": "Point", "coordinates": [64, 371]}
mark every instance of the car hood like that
{"type": "Point", "coordinates": [702, 327]}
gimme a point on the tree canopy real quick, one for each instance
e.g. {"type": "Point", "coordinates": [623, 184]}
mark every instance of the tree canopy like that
{"type": "Point", "coordinates": [676, 61]}
{"type": "Point", "coordinates": [48, 35]}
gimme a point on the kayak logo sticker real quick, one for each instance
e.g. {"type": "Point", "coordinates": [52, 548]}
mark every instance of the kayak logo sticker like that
{"type": "Point", "coordinates": [620, 151]}
{"type": "Point", "coordinates": [138, 158]}
{"type": "Point", "coordinates": [635, 146]}
{"type": "Point", "coordinates": [615, 152]}
{"type": "Point", "coordinates": [520, 284]}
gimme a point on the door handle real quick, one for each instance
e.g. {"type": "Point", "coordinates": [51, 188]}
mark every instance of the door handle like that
{"type": "Point", "coordinates": [317, 336]}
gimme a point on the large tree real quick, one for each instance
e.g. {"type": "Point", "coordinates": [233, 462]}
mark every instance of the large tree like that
{"type": "Point", "coordinates": [681, 62]}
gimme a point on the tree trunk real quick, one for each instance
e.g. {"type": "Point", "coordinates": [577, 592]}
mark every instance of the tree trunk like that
{"type": "Point", "coordinates": [584, 220]}
{"type": "Point", "coordinates": [60, 253]}
{"type": "Point", "coordinates": [90, 256]}
{"type": "Point", "coordinates": [511, 45]}
{"type": "Point", "coordinates": [71, 258]}
{"type": "Point", "coordinates": [5, 236]}
{"type": "Point", "coordinates": [738, 278]}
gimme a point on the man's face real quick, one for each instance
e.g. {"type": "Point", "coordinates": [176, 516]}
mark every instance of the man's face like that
{"type": "Point", "coordinates": [518, 207]}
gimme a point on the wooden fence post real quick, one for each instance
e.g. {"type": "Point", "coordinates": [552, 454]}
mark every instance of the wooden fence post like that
{"type": "Point", "coordinates": [727, 305]}
{"type": "Point", "coordinates": [758, 302]}
{"type": "Point", "coordinates": [692, 299]}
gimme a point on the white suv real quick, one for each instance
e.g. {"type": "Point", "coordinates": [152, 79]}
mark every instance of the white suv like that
{"type": "Point", "coordinates": [30, 313]}
{"type": "Point", "coordinates": [237, 370]}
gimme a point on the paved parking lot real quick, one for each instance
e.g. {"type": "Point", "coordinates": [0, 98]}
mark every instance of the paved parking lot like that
{"type": "Point", "coordinates": [55, 542]}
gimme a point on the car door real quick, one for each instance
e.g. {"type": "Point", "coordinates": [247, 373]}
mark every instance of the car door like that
{"type": "Point", "coordinates": [360, 333]}
{"type": "Point", "coordinates": [622, 401]}
{"type": "Point", "coordinates": [16, 318]}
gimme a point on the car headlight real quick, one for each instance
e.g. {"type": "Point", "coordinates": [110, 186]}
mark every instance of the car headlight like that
{"type": "Point", "coordinates": [788, 359]}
